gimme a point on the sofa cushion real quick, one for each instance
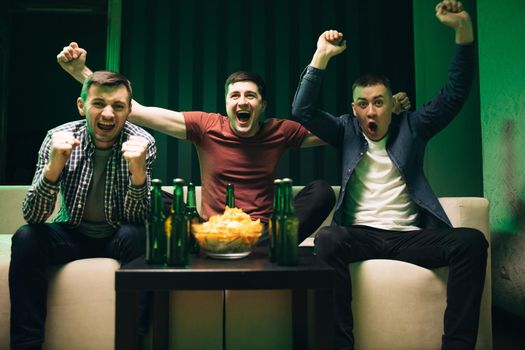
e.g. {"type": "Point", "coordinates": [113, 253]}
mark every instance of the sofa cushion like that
{"type": "Point", "coordinates": [81, 296]}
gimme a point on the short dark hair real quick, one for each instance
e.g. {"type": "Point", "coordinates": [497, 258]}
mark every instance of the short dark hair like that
{"type": "Point", "coordinates": [106, 78]}
{"type": "Point", "coordinates": [371, 80]}
{"type": "Point", "coordinates": [247, 76]}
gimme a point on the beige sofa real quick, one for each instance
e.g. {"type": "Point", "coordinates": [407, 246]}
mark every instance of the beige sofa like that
{"type": "Point", "coordinates": [405, 302]}
{"type": "Point", "coordinates": [81, 297]}
{"type": "Point", "coordinates": [81, 300]}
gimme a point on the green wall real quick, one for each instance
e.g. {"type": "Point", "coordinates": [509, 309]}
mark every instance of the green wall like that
{"type": "Point", "coordinates": [453, 162]}
{"type": "Point", "coordinates": [502, 95]}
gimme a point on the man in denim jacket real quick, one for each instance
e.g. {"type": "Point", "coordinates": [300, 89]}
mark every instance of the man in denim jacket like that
{"type": "Point", "coordinates": [386, 208]}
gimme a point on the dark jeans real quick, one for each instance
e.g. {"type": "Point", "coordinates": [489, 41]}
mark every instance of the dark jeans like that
{"type": "Point", "coordinates": [312, 205]}
{"type": "Point", "coordinates": [463, 250]}
{"type": "Point", "coordinates": [34, 248]}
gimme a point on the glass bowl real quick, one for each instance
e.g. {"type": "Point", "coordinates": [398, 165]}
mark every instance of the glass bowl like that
{"type": "Point", "coordinates": [231, 235]}
{"type": "Point", "coordinates": [227, 245]}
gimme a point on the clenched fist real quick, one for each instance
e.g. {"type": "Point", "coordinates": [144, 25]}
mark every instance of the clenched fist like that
{"type": "Point", "coordinates": [401, 102]}
{"type": "Point", "coordinates": [72, 59]}
{"type": "Point", "coordinates": [62, 145]}
{"type": "Point", "coordinates": [134, 150]}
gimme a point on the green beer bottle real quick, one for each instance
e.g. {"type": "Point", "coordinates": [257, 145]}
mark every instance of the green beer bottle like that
{"type": "Point", "coordinates": [230, 196]}
{"type": "Point", "coordinates": [193, 216]}
{"type": "Point", "coordinates": [274, 219]}
{"type": "Point", "coordinates": [288, 232]}
{"type": "Point", "coordinates": [177, 228]}
{"type": "Point", "coordinates": [155, 235]}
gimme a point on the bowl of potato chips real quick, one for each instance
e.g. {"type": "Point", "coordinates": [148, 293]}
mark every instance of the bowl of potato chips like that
{"type": "Point", "coordinates": [231, 235]}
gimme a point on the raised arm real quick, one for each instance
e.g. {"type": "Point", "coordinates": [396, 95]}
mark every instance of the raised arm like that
{"type": "Point", "coordinates": [452, 14]}
{"type": "Point", "coordinates": [72, 59]}
{"type": "Point", "coordinates": [304, 107]}
{"type": "Point", "coordinates": [437, 113]}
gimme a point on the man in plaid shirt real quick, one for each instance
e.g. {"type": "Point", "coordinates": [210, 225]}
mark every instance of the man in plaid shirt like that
{"type": "Point", "coordinates": [101, 166]}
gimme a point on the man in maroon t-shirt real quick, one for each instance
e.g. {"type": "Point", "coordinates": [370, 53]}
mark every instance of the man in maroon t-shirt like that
{"type": "Point", "coordinates": [239, 148]}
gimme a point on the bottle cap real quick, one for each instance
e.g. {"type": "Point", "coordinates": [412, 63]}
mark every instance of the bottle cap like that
{"type": "Point", "coordinates": [178, 181]}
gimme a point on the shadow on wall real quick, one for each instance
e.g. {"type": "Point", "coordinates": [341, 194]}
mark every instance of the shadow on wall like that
{"type": "Point", "coordinates": [508, 238]}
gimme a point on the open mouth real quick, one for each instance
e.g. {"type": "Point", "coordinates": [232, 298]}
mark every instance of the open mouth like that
{"type": "Point", "coordinates": [105, 126]}
{"type": "Point", "coordinates": [372, 126]}
{"type": "Point", "coordinates": [243, 116]}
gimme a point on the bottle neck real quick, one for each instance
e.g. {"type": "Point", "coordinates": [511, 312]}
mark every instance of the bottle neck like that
{"type": "Point", "coordinates": [277, 199]}
{"type": "Point", "coordinates": [230, 197]}
{"type": "Point", "coordinates": [191, 202]}
{"type": "Point", "coordinates": [287, 199]}
{"type": "Point", "coordinates": [178, 200]}
{"type": "Point", "coordinates": [156, 200]}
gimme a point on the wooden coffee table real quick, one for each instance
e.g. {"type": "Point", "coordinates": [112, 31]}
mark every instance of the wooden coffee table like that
{"type": "Point", "coordinates": [252, 272]}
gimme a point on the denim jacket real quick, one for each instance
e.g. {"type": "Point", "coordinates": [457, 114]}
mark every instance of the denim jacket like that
{"type": "Point", "coordinates": [409, 133]}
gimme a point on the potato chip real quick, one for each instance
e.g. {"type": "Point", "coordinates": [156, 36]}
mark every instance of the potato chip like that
{"type": "Point", "coordinates": [233, 231]}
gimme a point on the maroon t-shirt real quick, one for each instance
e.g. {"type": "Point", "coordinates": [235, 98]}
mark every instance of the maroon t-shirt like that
{"type": "Point", "coordinates": [248, 163]}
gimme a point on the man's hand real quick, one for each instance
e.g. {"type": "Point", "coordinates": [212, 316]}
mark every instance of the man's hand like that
{"type": "Point", "coordinates": [134, 150]}
{"type": "Point", "coordinates": [72, 59]}
{"type": "Point", "coordinates": [62, 145]}
{"type": "Point", "coordinates": [401, 103]}
{"type": "Point", "coordinates": [452, 14]}
{"type": "Point", "coordinates": [329, 44]}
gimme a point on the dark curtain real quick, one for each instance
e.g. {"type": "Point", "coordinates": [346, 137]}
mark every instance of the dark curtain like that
{"type": "Point", "coordinates": [179, 53]}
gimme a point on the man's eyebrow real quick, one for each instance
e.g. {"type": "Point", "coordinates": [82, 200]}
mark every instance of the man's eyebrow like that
{"type": "Point", "coordinates": [373, 98]}
{"type": "Point", "coordinates": [245, 92]}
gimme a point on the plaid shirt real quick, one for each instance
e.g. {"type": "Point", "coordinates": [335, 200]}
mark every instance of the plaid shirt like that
{"type": "Point", "coordinates": [123, 202]}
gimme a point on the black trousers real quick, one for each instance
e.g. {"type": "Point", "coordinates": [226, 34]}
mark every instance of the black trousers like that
{"type": "Point", "coordinates": [463, 250]}
{"type": "Point", "coordinates": [312, 206]}
{"type": "Point", "coordinates": [34, 248]}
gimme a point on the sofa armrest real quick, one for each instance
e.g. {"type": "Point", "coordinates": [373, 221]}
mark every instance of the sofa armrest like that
{"type": "Point", "coordinates": [474, 212]}
{"type": "Point", "coordinates": [468, 212]}
{"type": "Point", "coordinates": [11, 217]}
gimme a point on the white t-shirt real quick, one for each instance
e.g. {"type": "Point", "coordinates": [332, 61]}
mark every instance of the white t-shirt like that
{"type": "Point", "coordinates": [376, 194]}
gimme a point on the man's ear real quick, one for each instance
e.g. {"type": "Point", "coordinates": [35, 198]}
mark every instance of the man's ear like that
{"type": "Point", "coordinates": [80, 106]}
{"type": "Point", "coordinates": [353, 110]}
{"type": "Point", "coordinates": [264, 106]}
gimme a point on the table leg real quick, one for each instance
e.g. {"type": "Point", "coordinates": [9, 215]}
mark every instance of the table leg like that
{"type": "Point", "coordinates": [299, 319]}
{"type": "Point", "coordinates": [126, 315]}
{"type": "Point", "coordinates": [324, 319]}
{"type": "Point", "coordinates": [160, 320]}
